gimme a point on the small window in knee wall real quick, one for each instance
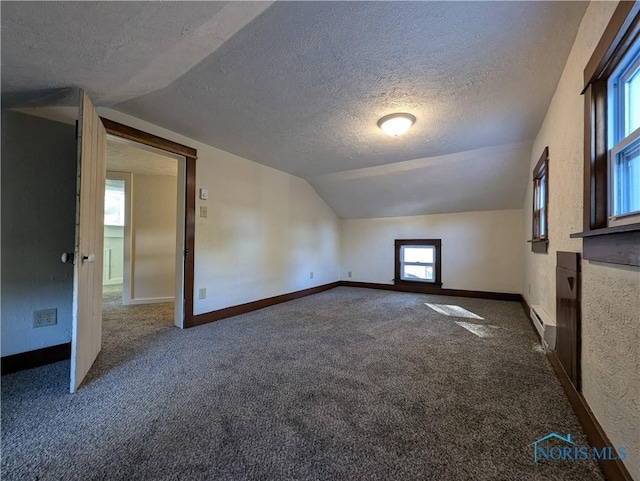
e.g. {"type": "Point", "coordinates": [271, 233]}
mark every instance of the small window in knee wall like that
{"type": "Point", "coordinates": [540, 215]}
{"type": "Point", "coordinates": [418, 261]}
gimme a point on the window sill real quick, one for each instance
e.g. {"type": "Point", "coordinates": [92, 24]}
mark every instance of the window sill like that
{"type": "Point", "coordinates": [416, 283]}
{"type": "Point", "coordinates": [606, 231]}
{"type": "Point", "coordinates": [539, 246]}
{"type": "Point", "coordinates": [613, 245]}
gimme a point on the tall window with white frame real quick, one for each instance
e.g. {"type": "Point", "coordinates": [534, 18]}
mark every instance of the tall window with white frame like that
{"type": "Point", "coordinates": [418, 261]}
{"type": "Point", "coordinates": [624, 139]}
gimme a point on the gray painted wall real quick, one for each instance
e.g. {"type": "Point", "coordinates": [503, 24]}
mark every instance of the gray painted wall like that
{"type": "Point", "coordinates": [38, 224]}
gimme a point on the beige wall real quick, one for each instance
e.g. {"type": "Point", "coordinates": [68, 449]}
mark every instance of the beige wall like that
{"type": "Point", "coordinates": [153, 242]}
{"type": "Point", "coordinates": [112, 272]}
{"type": "Point", "coordinates": [480, 250]}
{"type": "Point", "coordinates": [610, 294]}
{"type": "Point", "coordinates": [265, 232]}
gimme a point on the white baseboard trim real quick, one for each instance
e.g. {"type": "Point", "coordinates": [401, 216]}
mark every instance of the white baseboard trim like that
{"type": "Point", "coordinates": [152, 300]}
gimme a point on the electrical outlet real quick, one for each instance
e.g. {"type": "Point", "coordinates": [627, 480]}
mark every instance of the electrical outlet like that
{"type": "Point", "coordinates": [45, 317]}
{"type": "Point", "coordinates": [202, 293]}
{"type": "Point", "coordinates": [203, 211]}
{"type": "Point", "coordinates": [349, 274]}
{"type": "Point", "coordinates": [311, 275]}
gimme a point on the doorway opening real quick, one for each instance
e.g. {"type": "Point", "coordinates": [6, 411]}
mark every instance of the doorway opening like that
{"type": "Point", "coordinates": [144, 219]}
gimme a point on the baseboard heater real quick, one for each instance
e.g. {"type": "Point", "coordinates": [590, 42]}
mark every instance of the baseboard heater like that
{"type": "Point", "coordinates": [545, 326]}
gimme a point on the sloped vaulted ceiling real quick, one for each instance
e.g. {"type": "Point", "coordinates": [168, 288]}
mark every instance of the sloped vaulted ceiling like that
{"type": "Point", "coordinates": [299, 86]}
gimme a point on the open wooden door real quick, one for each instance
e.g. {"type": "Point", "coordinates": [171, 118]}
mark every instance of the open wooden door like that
{"type": "Point", "coordinates": [86, 340]}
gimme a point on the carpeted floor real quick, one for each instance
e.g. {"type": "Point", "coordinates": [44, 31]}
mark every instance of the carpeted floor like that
{"type": "Point", "coordinates": [349, 384]}
{"type": "Point", "coordinates": [127, 330]}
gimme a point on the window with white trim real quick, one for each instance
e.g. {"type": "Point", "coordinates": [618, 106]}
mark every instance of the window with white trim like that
{"type": "Point", "coordinates": [624, 139]}
{"type": "Point", "coordinates": [418, 260]}
{"type": "Point", "coordinates": [114, 202]}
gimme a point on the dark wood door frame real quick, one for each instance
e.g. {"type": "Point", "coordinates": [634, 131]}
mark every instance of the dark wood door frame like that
{"type": "Point", "coordinates": [191, 155]}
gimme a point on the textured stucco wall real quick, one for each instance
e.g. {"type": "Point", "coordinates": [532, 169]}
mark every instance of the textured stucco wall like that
{"type": "Point", "coordinates": [611, 294]}
{"type": "Point", "coordinates": [611, 353]}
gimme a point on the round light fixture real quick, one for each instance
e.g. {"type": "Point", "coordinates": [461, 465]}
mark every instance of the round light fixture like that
{"type": "Point", "coordinates": [396, 124]}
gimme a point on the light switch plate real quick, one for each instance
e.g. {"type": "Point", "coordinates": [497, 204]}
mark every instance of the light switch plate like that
{"type": "Point", "coordinates": [203, 211]}
{"type": "Point", "coordinates": [204, 194]}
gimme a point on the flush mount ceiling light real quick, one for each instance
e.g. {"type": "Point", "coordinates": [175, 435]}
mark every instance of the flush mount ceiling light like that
{"type": "Point", "coordinates": [396, 124]}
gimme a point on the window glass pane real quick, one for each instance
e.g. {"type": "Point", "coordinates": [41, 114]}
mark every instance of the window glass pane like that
{"type": "Point", "coordinates": [626, 173]}
{"type": "Point", "coordinates": [633, 102]}
{"type": "Point", "coordinates": [114, 202]}
{"type": "Point", "coordinates": [418, 273]}
{"type": "Point", "coordinates": [422, 254]}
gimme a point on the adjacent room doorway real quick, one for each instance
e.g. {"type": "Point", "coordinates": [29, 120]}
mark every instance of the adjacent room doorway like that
{"type": "Point", "coordinates": [143, 228]}
{"type": "Point", "coordinates": [87, 254]}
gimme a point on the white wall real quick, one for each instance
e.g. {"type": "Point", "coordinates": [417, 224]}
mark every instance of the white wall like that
{"type": "Point", "coordinates": [480, 250]}
{"type": "Point", "coordinates": [38, 225]}
{"type": "Point", "coordinates": [112, 272]}
{"type": "Point", "coordinates": [610, 293]}
{"type": "Point", "coordinates": [266, 230]}
{"type": "Point", "coordinates": [153, 232]}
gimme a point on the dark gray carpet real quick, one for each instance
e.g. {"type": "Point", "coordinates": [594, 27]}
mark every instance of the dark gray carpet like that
{"type": "Point", "coordinates": [349, 384]}
{"type": "Point", "coordinates": [127, 330]}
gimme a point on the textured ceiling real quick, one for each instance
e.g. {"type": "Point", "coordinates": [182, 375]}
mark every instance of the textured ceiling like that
{"type": "Point", "coordinates": [126, 156]}
{"type": "Point", "coordinates": [491, 178]}
{"type": "Point", "coordinates": [299, 86]}
{"type": "Point", "coordinates": [115, 50]}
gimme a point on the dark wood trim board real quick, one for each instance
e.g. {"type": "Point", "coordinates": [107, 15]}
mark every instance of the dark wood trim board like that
{"type": "Point", "coordinates": [189, 241]}
{"type": "Point", "coordinates": [37, 358]}
{"type": "Point", "coordinates": [622, 248]}
{"type": "Point", "coordinates": [426, 289]}
{"type": "Point", "coordinates": [613, 36]}
{"type": "Point", "coordinates": [126, 132]}
{"type": "Point", "coordinates": [214, 316]}
{"type": "Point", "coordinates": [614, 470]}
